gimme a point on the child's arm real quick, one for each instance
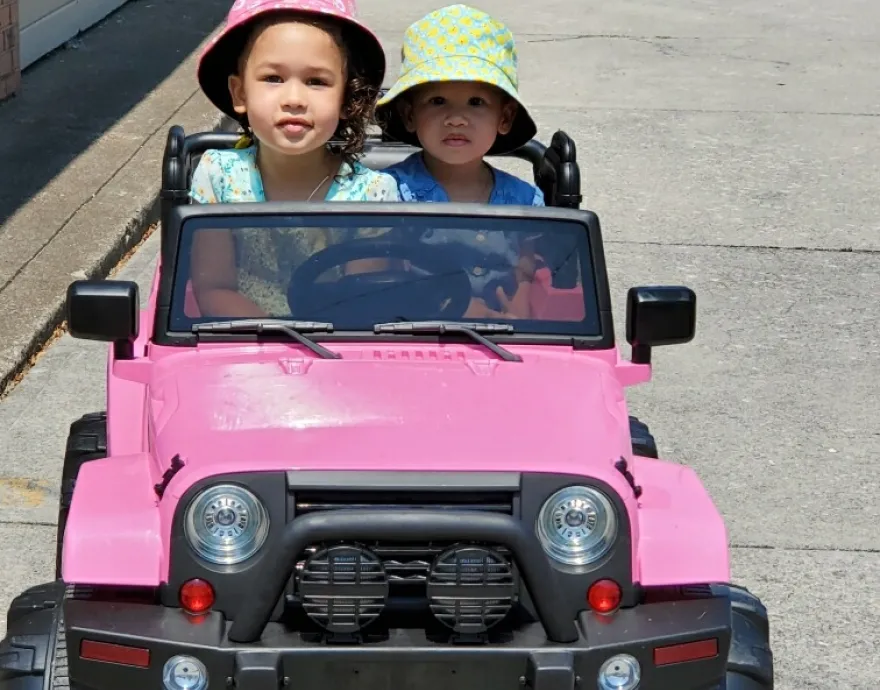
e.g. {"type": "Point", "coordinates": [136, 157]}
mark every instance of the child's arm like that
{"type": "Point", "coordinates": [214, 281]}
{"type": "Point", "coordinates": [519, 306]}
{"type": "Point", "coordinates": [212, 268]}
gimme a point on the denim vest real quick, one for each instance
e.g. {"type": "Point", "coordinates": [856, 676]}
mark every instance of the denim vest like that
{"type": "Point", "coordinates": [488, 256]}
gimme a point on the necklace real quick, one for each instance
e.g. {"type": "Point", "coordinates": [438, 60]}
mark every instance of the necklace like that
{"type": "Point", "coordinates": [314, 191]}
{"type": "Point", "coordinates": [320, 184]}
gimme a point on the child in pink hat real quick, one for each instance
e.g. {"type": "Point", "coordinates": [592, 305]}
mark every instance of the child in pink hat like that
{"type": "Point", "coordinates": [295, 74]}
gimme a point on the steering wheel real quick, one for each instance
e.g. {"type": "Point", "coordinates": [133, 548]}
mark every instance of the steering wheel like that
{"type": "Point", "coordinates": [387, 295]}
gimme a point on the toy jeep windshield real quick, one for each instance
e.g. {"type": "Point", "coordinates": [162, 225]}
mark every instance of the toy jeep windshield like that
{"type": "Point", "coordinates": [320, 472]}
{"type": "Point", "coordinates": [364, 269]}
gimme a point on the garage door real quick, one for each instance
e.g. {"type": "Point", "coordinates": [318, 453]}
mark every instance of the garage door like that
{"type": "Point", "coordinates": [47, 24]}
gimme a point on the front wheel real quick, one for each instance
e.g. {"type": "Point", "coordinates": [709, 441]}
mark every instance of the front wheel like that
{"type": "Point", "coordinates": [86, 441]}
{"type": "Point", "coordinates": [737, 681]}
{"type": "Point", "coordinates": [33, 655]}
{"type": "Point", "coordinates": [643, 442]}
{"type": "Point", "coordinates": [750, 660]}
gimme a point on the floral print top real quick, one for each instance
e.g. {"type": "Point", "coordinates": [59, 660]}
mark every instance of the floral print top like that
{"type": "Point", "coordinates": [266, 257]}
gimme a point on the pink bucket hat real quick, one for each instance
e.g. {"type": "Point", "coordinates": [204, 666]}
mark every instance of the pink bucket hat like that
{"type": "Point", "coordinates": [220, 57]}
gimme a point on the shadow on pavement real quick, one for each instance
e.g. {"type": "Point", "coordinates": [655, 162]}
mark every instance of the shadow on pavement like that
{"type": "Point", "coordinates": [70, 98]}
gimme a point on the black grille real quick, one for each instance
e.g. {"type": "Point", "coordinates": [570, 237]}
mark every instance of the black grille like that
{"type": "Point", "coordinates": [492, 501]}
{"type": "Point", "coordinates": [407, 566]}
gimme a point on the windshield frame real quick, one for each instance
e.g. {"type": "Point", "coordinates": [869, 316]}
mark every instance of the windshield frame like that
{"type": "Point", "coordinates": [173, 236]}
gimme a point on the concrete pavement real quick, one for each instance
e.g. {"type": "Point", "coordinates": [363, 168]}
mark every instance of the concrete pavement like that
{"type": "Point", "coordinates": [80, 157]}
{"type": "Point", "coordinates": [733, 147]}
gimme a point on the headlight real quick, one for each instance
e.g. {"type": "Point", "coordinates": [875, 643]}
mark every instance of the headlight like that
{"type": "Point", "coordinates": [577, 525]}
{"type": "Point", "coordinates": [226, 524]}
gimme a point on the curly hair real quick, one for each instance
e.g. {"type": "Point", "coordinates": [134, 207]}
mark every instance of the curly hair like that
{"type": "Point", "coordinates": [359, 99]}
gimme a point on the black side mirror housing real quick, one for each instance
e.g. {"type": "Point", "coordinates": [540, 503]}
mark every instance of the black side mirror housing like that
{"type": "Point", "coordinates": [659, 315]}
{"type": "Point", "coordinates": [107, 310]}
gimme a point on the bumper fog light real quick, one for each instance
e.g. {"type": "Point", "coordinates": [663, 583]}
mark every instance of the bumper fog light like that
{"type": "Point", "coordinates": [184, 673]}
{"type": "Point", "coordinates": [620, 672]}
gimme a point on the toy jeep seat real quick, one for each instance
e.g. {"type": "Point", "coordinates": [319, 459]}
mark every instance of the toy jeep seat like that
{"type": "Point", "coordinates": [554, 167]}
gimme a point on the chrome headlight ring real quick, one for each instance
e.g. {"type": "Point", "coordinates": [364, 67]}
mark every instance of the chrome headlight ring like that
{"type": "Point", "coordinates": [577, 525]}
{"type": "Point", "coordinates": [226, 524]}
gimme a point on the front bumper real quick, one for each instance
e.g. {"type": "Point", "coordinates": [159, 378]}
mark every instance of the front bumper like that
{"type": "Point", "coordinates": [255, 650]}
{"type": "Point", "coordinates": [406, 660]}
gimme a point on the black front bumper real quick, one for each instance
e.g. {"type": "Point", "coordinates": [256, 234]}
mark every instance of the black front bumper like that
{"type": "Point", "coordinates": [407, 660]}
{"type": "Point", "coordinates": [254, 651]}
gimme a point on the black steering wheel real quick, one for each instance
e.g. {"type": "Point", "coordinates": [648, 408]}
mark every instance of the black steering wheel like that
{"type": "Point", "coordinates": [439, 288]}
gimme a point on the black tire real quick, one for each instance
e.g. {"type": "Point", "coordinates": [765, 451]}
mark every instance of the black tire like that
{"type": "Point", "coordinates": [86, 441]}
{"type": "Point", "coordinates": [33, 655]}
{"type": "Point", "coordinates": [750, 660]}
{"type": "Point", "coordinates": [38, 598]}
{"type": "Point", "coordinates": [643, 442]}
{"type": "Point", "coordinates": [737, 681]}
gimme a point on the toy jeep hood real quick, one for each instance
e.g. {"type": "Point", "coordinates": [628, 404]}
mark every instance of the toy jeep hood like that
{"type": "Point", "coordinates": [379, 408]}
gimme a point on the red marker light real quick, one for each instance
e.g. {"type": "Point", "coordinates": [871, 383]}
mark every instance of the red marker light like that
{"type": "Point", "coordinates": [604, 596]}
{"type": "Point", "coordinates": [196, 596]}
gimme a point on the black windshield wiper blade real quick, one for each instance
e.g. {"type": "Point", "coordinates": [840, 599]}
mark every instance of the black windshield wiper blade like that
{"type": "Point", "coordinates": [294, 329]}
{"type": "Point", "coordinates": [473, 330]}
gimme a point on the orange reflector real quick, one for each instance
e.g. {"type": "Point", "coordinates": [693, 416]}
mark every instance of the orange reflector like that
{"type": "Point", "coordinates": [604, 596]}
{"type": "Point", "coordinates": [689, 651]}
{"type": "Point", "coordinates": [196, 596]}
{"type": "Point", "coordinates": [114, 653]}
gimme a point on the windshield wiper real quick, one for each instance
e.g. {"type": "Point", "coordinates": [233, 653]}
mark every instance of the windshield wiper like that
{"type": "Point", "coordinates": [473, 330]}
{"type": "Point", "coordinates": [294, 329]}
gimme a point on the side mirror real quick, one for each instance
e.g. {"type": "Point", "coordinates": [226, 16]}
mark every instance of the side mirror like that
{"type": "Point", "coordinates": [661, 315]}
{"type": "Point", "coordinates": [107, 310]}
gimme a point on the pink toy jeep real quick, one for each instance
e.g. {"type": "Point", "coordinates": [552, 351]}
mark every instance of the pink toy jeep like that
{"type": "Point", "coordinates": [356, 486]}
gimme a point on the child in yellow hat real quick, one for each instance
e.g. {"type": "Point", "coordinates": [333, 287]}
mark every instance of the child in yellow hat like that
{"type": "Point", "coordinates": [457, 99]}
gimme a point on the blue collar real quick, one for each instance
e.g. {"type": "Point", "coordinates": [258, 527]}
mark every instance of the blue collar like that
{"type": "Point", "coordinates": [419, 176]}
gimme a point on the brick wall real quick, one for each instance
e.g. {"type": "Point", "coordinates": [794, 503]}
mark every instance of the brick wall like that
{"type": "Point", "coordinates": [10, 72]}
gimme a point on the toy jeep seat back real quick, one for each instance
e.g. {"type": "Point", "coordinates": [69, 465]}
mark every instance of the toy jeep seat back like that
{"type": "Point", "coordinates": [554, 167]}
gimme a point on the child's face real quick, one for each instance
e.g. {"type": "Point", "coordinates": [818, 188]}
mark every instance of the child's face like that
{"type": "Point", "coordinates": [457, 122]}
{"type": "Point", "coordinates": [291, 87]}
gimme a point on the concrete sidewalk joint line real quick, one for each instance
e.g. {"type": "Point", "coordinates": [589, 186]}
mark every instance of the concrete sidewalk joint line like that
{"type": "Point", "coordinates": [753, 247]}
{"type": "Point", "coordinates": [117, 239]}
{"type": "Point", "coordinates": [123, 237]}
{"type": "Point", "coordinates": [704, 111]}
{"type": "Point", "coordinates": [164, 128]}
{"type": "Point", "coordinates": [84, 181]}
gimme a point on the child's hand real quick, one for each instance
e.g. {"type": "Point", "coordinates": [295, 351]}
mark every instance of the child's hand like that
{"type": "Point", "coordinates": [526, 267]}
{"type": "Point", "coordinates": [516, 307]}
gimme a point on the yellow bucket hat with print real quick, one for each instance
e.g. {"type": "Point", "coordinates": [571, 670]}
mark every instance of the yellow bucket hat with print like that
{"type": "Point", "coordinates": [458, 43]}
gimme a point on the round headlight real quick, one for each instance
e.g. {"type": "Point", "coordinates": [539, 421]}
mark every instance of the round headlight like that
{"type": "Point", "coordinates": [577, 525]}
{"type": "Point", "coordinates": [226, 524]}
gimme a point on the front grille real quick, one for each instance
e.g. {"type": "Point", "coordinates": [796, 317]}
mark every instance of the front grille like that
{"type": "Point", "coordinates": [407, 566]}
{"type": "Point", "coordinates": [495, 501]}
